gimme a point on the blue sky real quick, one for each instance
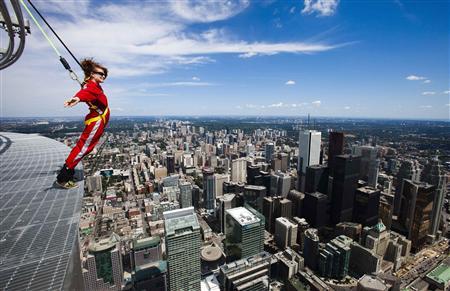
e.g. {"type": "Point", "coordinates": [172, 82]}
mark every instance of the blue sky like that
{"type": "Point", "coordinates": [328, 58]}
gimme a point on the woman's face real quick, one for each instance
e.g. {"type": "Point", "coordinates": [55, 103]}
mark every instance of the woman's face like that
{"type": "Point", "coordinates": [98, 75]}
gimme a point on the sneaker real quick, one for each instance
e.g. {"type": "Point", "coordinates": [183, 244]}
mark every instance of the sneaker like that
{"type": "Point", "coordinates": [67, 185]}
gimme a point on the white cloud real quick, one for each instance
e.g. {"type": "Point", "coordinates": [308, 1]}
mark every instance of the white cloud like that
{"type": "Point", "coordinates": [347, 107]}
{"type": "Point", "coordinates": [195, 78]}
{"type": "Point", "coordinates": [280, 104]}
{"type": "Point", "coordinates": [316, 103]}
{"type": "Point", "coordinates": [415, 78]}
{"type": "Point", "coordinates": [321, 7]}
{"type": "Point", "coordinates": [426, 106]}
{"type": "Point", "coordinates": [427, 81]}
{"type": "Point", "coordinates": [292, 10]}
{"type": "Point", "coordinates": [208, 11]}
{"type": "Point", "coordinates": [448, 104]}
{"type": "Point", "coordinates": [247, 55]}
{"type": "Point", "coordinates": [290, 82]}
{"type": "Point", "coordinates": [428, 93]}
{"type": "Point", "coordinates": [446, 92]}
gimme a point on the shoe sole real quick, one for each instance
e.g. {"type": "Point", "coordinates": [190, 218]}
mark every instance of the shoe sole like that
{"type": "Point", "coordinates": [64, 187]}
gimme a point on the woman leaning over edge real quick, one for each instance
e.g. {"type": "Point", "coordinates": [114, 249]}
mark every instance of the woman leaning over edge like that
{"type": "Point", "coordinates": [95, 122]}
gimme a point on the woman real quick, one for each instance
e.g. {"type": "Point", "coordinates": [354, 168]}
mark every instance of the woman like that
{"type": "Point", "coordinates": [95, 122]}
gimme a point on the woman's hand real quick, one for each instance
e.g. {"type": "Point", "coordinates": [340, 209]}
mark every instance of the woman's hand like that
{"type": "Point", "coordinates": [71, 102]}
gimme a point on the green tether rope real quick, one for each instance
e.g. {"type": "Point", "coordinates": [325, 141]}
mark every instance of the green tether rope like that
{"type": "Point", "coordinates": [40, 28]}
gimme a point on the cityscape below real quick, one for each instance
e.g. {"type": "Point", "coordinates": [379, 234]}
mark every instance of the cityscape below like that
{"type": "Point", "coordinates": [228, 203]}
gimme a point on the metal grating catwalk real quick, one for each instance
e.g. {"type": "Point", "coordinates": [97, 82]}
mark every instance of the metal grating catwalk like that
{"type": "Point", "coordinates": [38, 222]}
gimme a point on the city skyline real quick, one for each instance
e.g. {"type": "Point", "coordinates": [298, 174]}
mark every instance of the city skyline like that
{"type": "Point", "coordinates": [269, 58]}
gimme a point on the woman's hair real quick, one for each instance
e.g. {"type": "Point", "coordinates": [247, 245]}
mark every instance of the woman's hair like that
{"type": "Point", "coordinates": [88, 65]}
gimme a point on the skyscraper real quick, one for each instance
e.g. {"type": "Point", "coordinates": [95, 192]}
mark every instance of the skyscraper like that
{"type": "Point", "coordinates": [170, 164]}
{"type": "Point", "coordinates": [409, 169]}
{"type": "Point", "coordinates": [416, 211]}
{"type": "Point", "coordinates": [252, 172]}
{"type": "Point", "coordinates": [239, 170]}
{"type": "Point", "coordinates": [315, 209]}
{"type": "Point", "coordinates": [345, 180]}
{"type": "Point", "coordinates": [335, 146]}
{"type": "Point", "coordinates": [311, 248]}
{"type": "Point", "coordinates": [254, 195]}
{"type": "Point", "coordinates": [182, 233]}
{"type": "Point", "coordinates": [280, 184]}
{"type": "Point", "coordinates": [226, 201]}
{"type": "Point", "coordinates": [297, 199]}
{"type": "Point", "coordinates": [285, 232]}
{"type": "Point", "coordinates": [335, 257]}
{"type": "Point", "coordinates": [434, 174]}
{"type": "Point", "coordinates": [309, 149]}
{"type": "Point", "coordinates": [219, 180]}
{"type": "Point", "coordinates": [209, 198]}
{"type": "Point", "coordinates": [309, 154]}
{"type": "Point", "coordinates": [185, 194]}
{"type": "Point", "coordinates": [269, 150]}
{"type": "Point", "coordinates": [244, 230]}
{"type": "Point", "coordinates": [316, 179]}
{"type": "Point", "coordinates": [365, 208]}
{"type": "Point", "coordinates": [369, 163]}
{"type": "Point", "coordinates": [102, 266]}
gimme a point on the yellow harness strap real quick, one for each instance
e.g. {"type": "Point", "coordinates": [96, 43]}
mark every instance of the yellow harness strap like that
{"type": "Point", "coordinates": [101, 116]}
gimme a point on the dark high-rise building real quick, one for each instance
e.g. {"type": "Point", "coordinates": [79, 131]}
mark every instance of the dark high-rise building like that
{"type": "Point", "coordinates": [269, 150]}
{"type": "Point", "coordinates": [334, 259]}
{"type": "Point", "coordinates": [196, 196]}
{"type": "Point", "coordinates": [244, 231]}
{"type": "Point", "coordinates": [410, 170]}
{"type": "Point", "coordinates": [209, 193]}
{"type": "Point", "coordinates": [227, 201]}
{"type": "Point", "coordinates": [170, 164]}
{"type": "Point", "coordinates": [416, 211]}
{"type": "Point", "coordinates": [316, 179]}
{"type": "Point", "coordinates": [297, 202]}
{"type": "Point", "coordinates": [365, 208]}
{"type": "Point", "coordinates": [233, 187]}
{"type": "Point", "coordinates": [254, 195]}
{"type": "Point", "coordinates": [315, 209]}
{"type": "Point", "coordinates": [274, 207]}
{"type": "Point", "coordinates": [263, 179]}
{"type": "Point", "coordinates": [386, 209]}
{"type": "Point", "coordinates": [335, 146]}
{"type": "Point", "coordinates": [434, 174]}
{"type": "Point", "coordinates": [345, 181]}
{"type": "Point", "coordinates": [252, 172]}
{"type": "Point", "coordinates": [311, 248]}
{"type": "Point", "coordinates": [185, 194]}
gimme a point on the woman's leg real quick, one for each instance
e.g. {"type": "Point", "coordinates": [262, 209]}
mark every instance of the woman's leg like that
{"type": "Point", "coordinates": [86, 143]}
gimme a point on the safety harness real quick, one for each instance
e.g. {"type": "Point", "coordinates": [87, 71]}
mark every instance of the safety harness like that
{"type": "Point", "coordinates": [101, 115]}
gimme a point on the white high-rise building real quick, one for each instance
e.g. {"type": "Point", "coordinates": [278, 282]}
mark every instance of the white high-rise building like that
{"type": "Point", "coordinates": [309, 149]}
{"type": "Point", "coordinates": [219, 180]}
{"type": "Point", "coordinates": [239, 170]}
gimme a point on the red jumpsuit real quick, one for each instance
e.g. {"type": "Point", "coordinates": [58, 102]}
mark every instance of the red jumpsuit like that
{"type": "Point", "coordinates": [95, 121]}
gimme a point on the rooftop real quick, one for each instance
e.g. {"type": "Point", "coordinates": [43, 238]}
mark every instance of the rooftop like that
{"type": "Point", "coordinates": [38, 221]}
{"type": "Point", "coordinates": [180, 219]}
{"type": "Point", "coordinates": [243, 216]}
{"type": "Point", "coordinates": [440, 274]}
